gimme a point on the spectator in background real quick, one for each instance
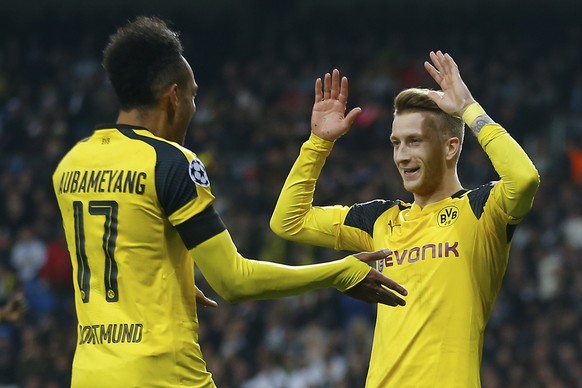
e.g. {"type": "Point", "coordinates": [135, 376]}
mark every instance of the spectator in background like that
{"type": "Point", "coordinates": [13, 309]}
{"type": "Point", "coordinates": [57, 271]}
{"type": "Point", "coordinates": [277, 130]}
{"type": "Point", "coordinates": [28, 255]}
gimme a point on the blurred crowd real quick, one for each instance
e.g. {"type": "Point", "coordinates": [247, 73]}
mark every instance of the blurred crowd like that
{"type": "Point", "coordinates": [253, 115]}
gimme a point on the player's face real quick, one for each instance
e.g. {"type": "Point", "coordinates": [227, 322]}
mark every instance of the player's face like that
{"type": "Point", "coordinates": [186, 104]}
{"type": "Point", "coordinates": [419, 153]}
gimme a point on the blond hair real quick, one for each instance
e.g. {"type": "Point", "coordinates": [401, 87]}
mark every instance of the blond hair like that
{"type": "Point", "coordinates": [417, 100]}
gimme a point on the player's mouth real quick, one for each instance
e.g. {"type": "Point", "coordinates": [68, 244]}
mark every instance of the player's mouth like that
{"type": "Point", "coordinates": [410, 172]}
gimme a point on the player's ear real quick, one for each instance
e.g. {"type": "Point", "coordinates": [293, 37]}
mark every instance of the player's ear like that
{"type": "Point", "coordinates": [453, 147]}
{"type": "Point", "coordinates": [172, 94]}
{"type": "Point", "coordinates": [169, 100]}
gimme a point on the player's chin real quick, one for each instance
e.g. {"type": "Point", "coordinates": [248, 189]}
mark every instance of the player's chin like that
{"type": "Point", "coordinates": [411, 184]}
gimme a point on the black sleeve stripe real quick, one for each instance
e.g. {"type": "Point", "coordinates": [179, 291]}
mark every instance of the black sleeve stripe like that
{"type": "Point", "coordinates": [201, 227]}
{"type": "Point", "coordinates": [364, 215]}
{"type": "Point", "coordinates": [478, 198]}
{"type": "Point", "coordinates": [174, 186]}
{"type": "Point", "coordinates": [509, 231]}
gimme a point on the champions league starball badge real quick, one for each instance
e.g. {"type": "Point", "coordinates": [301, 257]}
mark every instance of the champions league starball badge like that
{"type": "Point", "coordinates": [198, 173]}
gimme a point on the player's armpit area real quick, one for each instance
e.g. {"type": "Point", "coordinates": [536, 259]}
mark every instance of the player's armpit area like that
{"type": "Point", "coordinates": [236, 278]}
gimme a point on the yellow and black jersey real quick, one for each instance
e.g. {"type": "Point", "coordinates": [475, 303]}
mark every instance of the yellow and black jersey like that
{"type": "Point", "coordinates": [132, 206]}
{"type": "Point", "coordinates": [137, 211]}
{"type": "Point", "coordinates": [450, 255]}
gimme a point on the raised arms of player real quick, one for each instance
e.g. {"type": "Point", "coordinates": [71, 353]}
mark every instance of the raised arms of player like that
{"type": "Point", "coordinates": [294, 217]}
{"type": "Point", "coordinates": [236, 278]}
{"type": "Point", "coordinates": [519, 178]}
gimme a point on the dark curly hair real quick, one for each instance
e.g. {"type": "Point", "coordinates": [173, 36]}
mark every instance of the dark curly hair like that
{"type": "Point", "coordinates": [141, 59]}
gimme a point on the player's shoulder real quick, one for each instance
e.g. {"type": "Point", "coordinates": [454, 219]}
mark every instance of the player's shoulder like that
{"type": "Point", "coordinates": [364, 215]}
{"type": "Point", "coordinates": [173, 159]}
{"type": "Point", "coordinates": [163, 147]}
{"type": "Point", "coordinates": [71, 157]}
{"type": "Point", "coordinates": [479, 196]}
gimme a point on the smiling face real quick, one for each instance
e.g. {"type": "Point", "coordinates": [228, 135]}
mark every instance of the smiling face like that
{"type": "Point", "coordinates": [420, 154]}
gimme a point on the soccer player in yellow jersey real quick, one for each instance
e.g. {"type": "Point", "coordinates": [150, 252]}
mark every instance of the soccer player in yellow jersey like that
{"type": "Point", "coordinates": [450, 247]}
{"type": "Point", "coordinates": [137, 213]}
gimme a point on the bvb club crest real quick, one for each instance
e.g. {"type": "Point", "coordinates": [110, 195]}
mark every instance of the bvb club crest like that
{"type": "Point", "coordinates": [447, 216]}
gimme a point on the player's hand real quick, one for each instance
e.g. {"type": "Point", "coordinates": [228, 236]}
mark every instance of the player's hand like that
{"type": "Point", "coordinates": [202, 299]}
{"type": "Point", "coordinates": [375, 287]}
{"type": "Point", "coordinates": [328, 120]}
{"type": "Point", "coordinates": [14, 309]}
{"type": "Point", "coordinates": [454, 96]}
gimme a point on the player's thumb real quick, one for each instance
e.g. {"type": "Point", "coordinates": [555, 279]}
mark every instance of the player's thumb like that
{"type": "Point", "coordinates": [369, 257]}
{"type": "Point", "coordinates": [352, 115]}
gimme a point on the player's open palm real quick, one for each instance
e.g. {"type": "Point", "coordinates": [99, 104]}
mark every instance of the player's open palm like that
{"type": "Point", "coordinates": [328, 119]}
{"type": "Point", "coordinates": [454, 96]}
{"type": "Point", "coordinates": [375, 287]}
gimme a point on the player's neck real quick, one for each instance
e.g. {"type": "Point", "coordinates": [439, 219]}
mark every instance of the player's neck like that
{"type": "Point", "coordinates": [152, 120]}
{"type": "Point", "coordinates": [445, 190]}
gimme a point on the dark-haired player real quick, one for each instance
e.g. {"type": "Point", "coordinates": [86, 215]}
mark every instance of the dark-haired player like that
{"type": "Point", "coordinates": [138, 215]}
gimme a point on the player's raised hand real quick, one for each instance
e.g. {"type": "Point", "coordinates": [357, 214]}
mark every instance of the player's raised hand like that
{"type": "Point", "coordinates": [375, 287]}
{"type": "Point", "coordinates": [454, 96]}
{"type": "Point", "coordinates": [328, 119]}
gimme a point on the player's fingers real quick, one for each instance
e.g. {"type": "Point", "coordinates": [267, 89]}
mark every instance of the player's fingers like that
{"type": "Point", "coordinates": [444, 64]}
{"type": "Point", "coordinates": [387, 282]}
{"type": "Point", "coordinates": [389, 298]}
{"type": "Point", "coordinates": [318, 92]}
{"type": "Point", "coordinates": [451, 62]}
{"type": "Point", "coordinates": [343, 93]}
{"type": "Point", "coordinates": [326, 86]}
{"type": "Point", "coordinates": [391, 284]}
{"type": "Point", "coordinates": [368, 257]}
{"type": "Point", "coordinates": [335, 84]}
{"type": "Point", "coordinates": [434, 73]}
{"type": "Point", "coordinates": [204, 300]}
{"type": "Point", "coordinates": [435, 96]}
{"type": "Point", "coordinates": [435, 60]}
{"type": "Point", "coordinates": [209, 302]}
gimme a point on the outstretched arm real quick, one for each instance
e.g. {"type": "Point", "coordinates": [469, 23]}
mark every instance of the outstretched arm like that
{"type": "Point", "coordinates": [294, 217]}
{"type": "Point", "coordinates": [236, 278]}
{"type": "Point", "coordinates": [519, 177]}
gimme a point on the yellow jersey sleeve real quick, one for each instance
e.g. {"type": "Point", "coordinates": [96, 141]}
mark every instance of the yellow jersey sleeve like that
{"type": "Point", "coordinates": [519, 178]}
{"type": "Point", "coordinates": [237, 278]}
{"type": "Point", "coordinates": [294, 217]}
{"type": "Point", "coordinates": [183, 190]}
